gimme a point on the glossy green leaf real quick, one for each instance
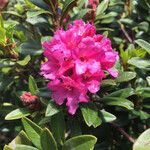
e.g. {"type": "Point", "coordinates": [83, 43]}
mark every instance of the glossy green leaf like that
{"type": "Point", "coordinates": [108, 82]}
{"type": "Point", "coordinates": [40, 3]}
{"type": "Point", "coordinates": [17, 114]}
{"type": "Point", "coordinates": [83, 142]}
{"type": "Point", "coordinates": [90, 115]}
{"type": "Point", "coordinates": [33, 131]}
{"type": "Point", "coordinates": [6, 147]}
{"type": "Point", "coordinates": [31, 14]}
{"type": "Point", "coordinates": [25, 147]}
{"type": "Point", "coordinates": [143, 142]}
{"type": "Point", "coordinates": [47, 140]}
{"type": "Point", "coordinates": [106, 116]}
{"type": "Point", "coordinates": [25, 61]}
{"type": "Point", "coordinates": [51, 109]}
{"type": "Point", "coordinates": [102, 7]}
{"type": "Point", "coordinates": [124, 93]}
{"type": "Point", "coordinates": [2, 35]}
{"type": "Point", "coordinates": [58, 127]}
{"type": "Point", "coordinates": [148, 80]}
{"type": "Point", "coordinates": [32, 85]}
{"type": "Point", "coordinates": [31, 47]}
{"type": "Point", "coordinates": [145, 45]}
{"type": "Point", "coordinates": [126, 76]}
{"type": "Point", "coordinates": [139, 62]}
{"type": "Point", "coordinates": [116, 101]}
{"type": "Point", "coordinates": [21, 138]}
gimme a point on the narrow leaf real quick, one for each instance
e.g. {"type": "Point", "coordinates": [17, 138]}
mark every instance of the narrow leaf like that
{"type": "Point", "coordinates": [32, 85]}
{"type": "Point", "coordinates": [116, 101]}
{"type": "Point", "coordinates": [106, 116]}
{"type": "Point", "coordinates": [143, 44]}
{"type": "Point", "coordinates": [58, 127]}
{"type": "Point", "coordinates": [17, 114]}
{"type": "Point", "coordinates": [51, 109]}
{"type": "Point", "coordinates": [83, 142]}
{"type": "Point", "coordinates": [47, 140]}
{"type": "Point", "coordinates": [143, 142]}
{"type": "Point", "coordinates": [40, 4]}
{"type": "Point", "coordinates": [24, 147]}
{"type": "Point", "coordinates": [90, 115]}
{"type": "Point", "coordinates": [25, 61]}
{"type": "Point", "coordinates": [139, 62]}
{"type": "Point", "coordinates": [33, 131]}
{"type": "Point", "coordinates": [124, 93]}
{"type": "Point", "coordinates": [126, 76]}
{"type": "Point", "coordinates": [21, 138]}
{"type": "Point", "coordinates": [102, 7]}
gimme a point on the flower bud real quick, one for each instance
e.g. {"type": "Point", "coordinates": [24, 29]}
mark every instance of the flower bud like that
{"type": "Point", "coordinates": [30, 101]}
{"type": "Point", "coordinates": [3, 3]}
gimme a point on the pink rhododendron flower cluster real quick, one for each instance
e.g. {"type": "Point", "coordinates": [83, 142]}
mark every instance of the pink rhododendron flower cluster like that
{"type": "Point", "coordinates": [77, 60]}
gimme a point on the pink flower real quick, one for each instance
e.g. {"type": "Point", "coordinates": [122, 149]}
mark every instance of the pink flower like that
{"type": "Point", "coordinates": [67, 88]}
{"type": "Point", "coordinates": [76, 61]}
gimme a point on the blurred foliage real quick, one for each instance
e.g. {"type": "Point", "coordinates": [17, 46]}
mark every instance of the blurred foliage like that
{"type": "Point", "coordinates": [121, 104]}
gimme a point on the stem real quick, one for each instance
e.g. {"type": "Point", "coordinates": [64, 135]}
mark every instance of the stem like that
{"type": "Point", "coordinates": [125, 33]}
{"type": "Point", "coordinates": [121, 130]}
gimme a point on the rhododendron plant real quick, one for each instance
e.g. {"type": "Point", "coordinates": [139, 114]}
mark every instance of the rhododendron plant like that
{"type": "Point", "coordinates": [77, 60]}
{"type": "Point", "coordinates": [74, 74]}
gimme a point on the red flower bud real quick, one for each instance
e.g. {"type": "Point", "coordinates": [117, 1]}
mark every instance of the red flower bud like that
{"type": "Point", "coordinates": [3, 3]}
{"type": "Point", "coordinates": [31, 101]}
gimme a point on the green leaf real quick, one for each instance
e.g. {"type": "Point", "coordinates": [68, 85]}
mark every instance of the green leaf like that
{"type": "Point", "coordinates": [102, 7]}
{"type": "Point", "coordinates": [12, 13]}
{"type": "Point", "coordinates": [116, 101]}
{"type": "Point", "coordinates": [21, 138]}
{"type": "Point", "coordinates": [24, 147]}
{"type": "Point", "coordinates": [40, 4]}
{"type": "Point", "coordinates": [108, 82]}
{"type": "Point", "coordinates": [148, 80]}
{"type": "Point", "coordinates": [51, 109]}
{"type": "Point", "coordinates": [2, 35]}
{"type": "Point", "coordinates": [58, 127]}
{"type": "Point", "coordinates": [106, 116]}
{"type": "Point", "coordinates": [1, 21]}
{"type": "Point", "coordinates": [124, 93]}
{"type": "Point", "coordinates": [69, 4]}
{"type": "Point", "coordinates": [143, 91]}
{"type": "Point", "coordinates": [6, 147]}
{"type": "Point", "coordinates": [31, 14]}
{"type": "Point", "coordinates": [31, 48]}
{"type": "Point", "coordinates": [90, 115]}
{"type": "Point", "coordinates": [32, 85]}
{"type": "Point", "coordinates": [83, 142]}
{"type": "Point", "coordinates": [25, 61]}
{"type": "Point", "coordinates": [145, 45]}
{"type": "Point", "coordinates": [126, 76]}
{"type": "Point", "coordinates": [33, 131]}
{"type": "Point", "coordinates": [139, 63]}
{"type": "Point", "coordinates": [143, 142]}
{"type": "Point", "coordinates": [17, 114]}
{"type": "Point", "coordinates": [44, 120]}
{"type": "Point", "coordinates": [47, 140]}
